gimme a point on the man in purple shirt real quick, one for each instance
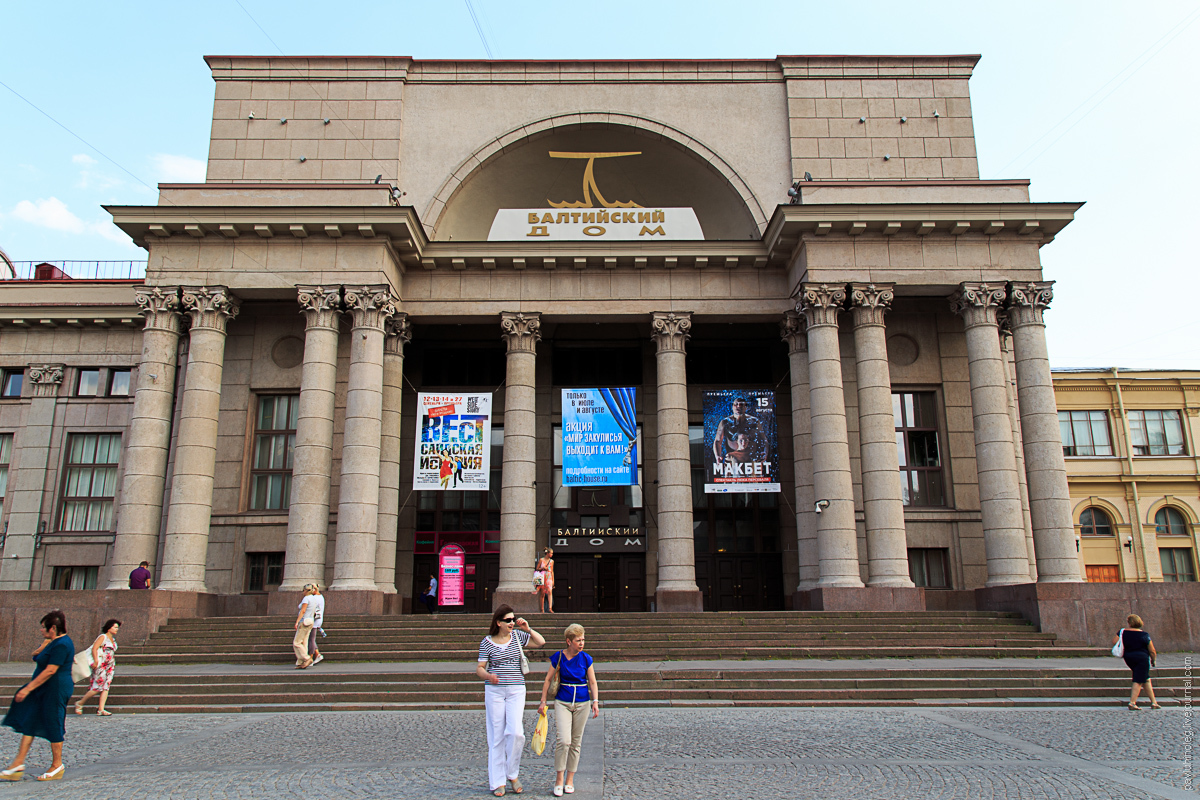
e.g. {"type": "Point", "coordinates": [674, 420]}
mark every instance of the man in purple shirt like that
{"type": "Point", "coordinates": [140, 577]}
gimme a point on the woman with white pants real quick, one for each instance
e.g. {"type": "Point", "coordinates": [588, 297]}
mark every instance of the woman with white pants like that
{"type": "Point", "coordinates": [504, 695]}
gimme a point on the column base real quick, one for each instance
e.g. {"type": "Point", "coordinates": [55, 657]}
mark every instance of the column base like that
{"type": "Point", "coordinates": [679, 600]}
{"type": "Point", "coordinates": [863, 598]}
{"type": "Point", "coordinates": [297, 585]}
{"type": "Point", "coordinates": [523, 601]}
{"type": "Point", "coordinates": [892, 583]}
{"type": "Point", "coordinates": [182, 586]}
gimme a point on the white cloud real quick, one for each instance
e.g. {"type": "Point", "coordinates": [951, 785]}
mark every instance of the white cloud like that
{"type": "Point", "coordinates": [84, 159]}
{"type": "Point", "coordinates": [178, 169]}
{"type": "Point", "coordinates": [53, 213]}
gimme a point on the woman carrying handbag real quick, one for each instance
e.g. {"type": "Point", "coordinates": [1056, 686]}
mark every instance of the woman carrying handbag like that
{"type": "Point", "coordinates": [503, 665]}
{"type": "Point", "coordinates": [572, 681]}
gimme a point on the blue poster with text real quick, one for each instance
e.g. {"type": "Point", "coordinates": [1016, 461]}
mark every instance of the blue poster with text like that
{"type": "Point", "coordinates": [599, 437]}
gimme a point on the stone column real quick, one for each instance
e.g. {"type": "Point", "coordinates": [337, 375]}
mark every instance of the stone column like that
{"type": "Point", "coordinates": [837, 537]}
{"type": "Point", "coordinates": [397, 333]}
{"type": "Point", "coordinates": [792, 331]}
{"type": "Point", "coordinates": [883, 503]}
{"type": "Point", "coordinates": [308, 509]}
{"type": "Point", "coordinates": [677, 590]}
{"type": "Point", "coordinates": [148, 441]}
{"type": "Point", "coordinates": [358, 494]}
{"type": "Point", "coordinates": [995, 458]}
{"type": "Point", "coordinates": [185, 554]}
{"type": "Point", "coordinates": [518, 495]}
{"type": "Point", "coordinates": [1010, 373]}
{"type": "Point", "coordinates": [25, 523]}
{"type": "Point", "coordinates": [1049, 498]}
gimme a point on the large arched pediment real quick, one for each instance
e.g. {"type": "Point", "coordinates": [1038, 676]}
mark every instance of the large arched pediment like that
{"type": "Point", "coordinates": [612, 181]}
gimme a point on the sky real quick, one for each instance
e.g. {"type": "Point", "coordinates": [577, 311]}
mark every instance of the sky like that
{"type": "Point", "coordinates": [1092, 101]}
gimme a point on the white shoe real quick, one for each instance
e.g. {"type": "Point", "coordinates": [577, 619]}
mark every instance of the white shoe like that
{"type": "Point", "coordinates": [569, 789]}
{"type": "Point", "coordinates": [558, 790]}
{"type": "Point", "coordinates": [318, 659]}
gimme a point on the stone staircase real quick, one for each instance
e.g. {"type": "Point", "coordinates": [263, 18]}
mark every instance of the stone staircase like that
{"type": "Point", "coordinates": [617, 637]}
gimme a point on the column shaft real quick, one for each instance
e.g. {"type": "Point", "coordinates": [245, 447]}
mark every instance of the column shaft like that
{"type": "Point", "coordinates": [518, 496]}
{"type": "Point", "coordinates": [883, 503]}
{"type": "Point", "coordinates": [308, 509]}
{"type": "Point", "coordinates": [26, 490]}
{"type": "Point", "coordinates": [398, 332]}
{"type": "Point", "coordinates": [1010, 372]}
{"type": "Point", "coordinates": [792, 330]}
{"type": "Point", "coordinates": [1049, 497]}
{"type": "Point", "coordinates": [358, 493]}
{"type": "Point", "coordinates": [148, 441]}
{"type": "Point", "coordinates": [185, 553]}
{"type": "Point", "coordinates": [837, 535]}
{"type": "Point", "coordinates": [995, 458]}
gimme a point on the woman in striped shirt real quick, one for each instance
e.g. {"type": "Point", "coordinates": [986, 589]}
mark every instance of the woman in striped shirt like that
{"type": "Point", "coordinates": [504, 695]}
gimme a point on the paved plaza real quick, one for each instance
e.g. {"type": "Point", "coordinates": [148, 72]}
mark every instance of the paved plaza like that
{"type": "Point", "coordinates": [631, 753]}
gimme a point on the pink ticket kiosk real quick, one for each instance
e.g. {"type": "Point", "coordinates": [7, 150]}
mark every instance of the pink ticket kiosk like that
{"type": "Point", "coordinates": [452, 562]}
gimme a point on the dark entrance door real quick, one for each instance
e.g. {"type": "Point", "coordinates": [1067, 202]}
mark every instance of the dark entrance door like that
{"type": "Point", "coordinates": [483, 576]}
{"type": "Point", "coordinates": [740, 582]}
{"type": "Point", "coordinates": [607, 583]}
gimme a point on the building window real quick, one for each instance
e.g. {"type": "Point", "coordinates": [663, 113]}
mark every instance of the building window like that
{"type": "Point", "coordinates": [737, 522]}
{"type": "Point", "coordinates": [929, 567]}
{"type": "Point", "coordinates": [1156, 433]}
{"type": "Point", "coordinates": [1085, 433]}
{"type": "Point", "coordinates": [11, 381]}
{"type": "Point", "coordinates": [6, 440]}
{"type": "Point", "coordinates": [74, 577]}
{"type": "Point", "coordinates": [1169, 522]}
{"type": "Point", "coordinates": [274, 441]}
{"type": "Point", "coordinates": [91, 482]}
{"type": "Point", "coordinates": [1103, 573]}
{"type": "Point", "coordinates": [1177, 564]}
{"type": "Point", "coordinates": [88, 384]}
{"type": "Point", "coordinates": [264, 571]}
{"type": "Point", "coordinates": [917, 448]}
{"type": "Point", "coordinates": [119, 382]}
{"type": "Point", "coordinates": [1094, 522]}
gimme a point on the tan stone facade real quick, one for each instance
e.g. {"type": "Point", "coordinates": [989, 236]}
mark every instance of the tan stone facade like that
{"type": "Point", "coordinates": [338, 258]}
{"type": "Point", "coordinates": [1135, 496]}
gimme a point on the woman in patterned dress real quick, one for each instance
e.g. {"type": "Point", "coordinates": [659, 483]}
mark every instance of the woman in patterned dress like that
{"type": "Point", "coordinates": [104, 663]}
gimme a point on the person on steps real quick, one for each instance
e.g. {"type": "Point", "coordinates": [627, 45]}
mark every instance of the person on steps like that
{"type": "Point", "coordinates": [104, 664]}
{"type": "Point", "coordinates": [1139, 657]}
{"type": "Point", "coordinates": [40, 707]}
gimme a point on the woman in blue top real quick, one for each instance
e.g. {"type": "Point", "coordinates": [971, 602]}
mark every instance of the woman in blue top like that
{"type": "Point", "coordinates": [1139, 657]}
{"type": "Point", "coordinates": [577, 694]}
{"type": "Point", "coordinates": [40, 707]}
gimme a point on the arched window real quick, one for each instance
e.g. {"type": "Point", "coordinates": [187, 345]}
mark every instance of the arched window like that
{"type": "Point", "coordinates": [1095, 522]}
{"type": "Point", "coordinates": [1169, 522]}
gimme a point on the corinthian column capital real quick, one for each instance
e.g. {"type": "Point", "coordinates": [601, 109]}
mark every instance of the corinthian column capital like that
{"type": "Point", "coordinates": [978, 303]}
{"type": "Point", "coordinates": [320, 305]}
{"type": "Point", "coordinates": [793, 330]}
{"type": "Point", "coordinates": [820, 303]}
{"type": "Point", "coordinates": [370, 306]}
{"type": "Point", "coordinates": [45, 379]}
{"type": "Point", "coordinates": [869, 302]}
{"type": "Point", "coordinates": [521, 331]}
{"type": "Point", "coordinates": [670, 331]}
{"type": "Point", "coordinates": [160, 306]}
{"type": "Point", "coordinates": [397, 333]}
{"type": "Point", "coordinates": [1027, 301]}
{"type": "Point", "coordinates": [210, 306]}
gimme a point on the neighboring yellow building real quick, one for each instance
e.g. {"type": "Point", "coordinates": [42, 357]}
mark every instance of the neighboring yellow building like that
{"type": "Point", "coordinates": [1130, 438]}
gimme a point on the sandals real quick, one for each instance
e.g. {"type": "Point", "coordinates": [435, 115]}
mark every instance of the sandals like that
{"type": "Point", "coordinates": [498, 792]}
{"type": "Point", "coordinates": [13, 774]}
{"type": "Point", "coordinates": [78, 708]}
{"type": "Point", "coordinates": [54, 775]}
{"type": "Point", "coordinates": [569, 789]}
{"type": "Point", "coordinates": [1132, 707]}
{"type": "Point", "coordinates": [103, 713]}
{"type": "Point", "coordinates": [516, 786]}
{"type": "Point", "coordinates": [1155, 706]}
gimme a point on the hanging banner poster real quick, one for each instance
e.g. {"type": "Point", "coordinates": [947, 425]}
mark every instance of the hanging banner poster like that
{"type": "Point", "coordinates": [451, 576]}
{"type": "Point", "coordinates": [599, 437]}
{"type": "Point", "coordinates": [454, 437]}
{"type": "Point", "coordinates": [741, 444]}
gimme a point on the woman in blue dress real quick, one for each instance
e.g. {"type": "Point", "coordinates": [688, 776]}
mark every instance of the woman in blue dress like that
{"type": "Point", "coordinates": [40, 707]}
{"type": "Point", "coordinates": [577, 696]}
{"type": "Point", "coordinates": [1139, 657]}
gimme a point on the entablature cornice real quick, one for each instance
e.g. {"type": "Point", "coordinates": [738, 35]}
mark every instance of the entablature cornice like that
{"type": "Point", "coordinates": [588, 255]}
{"type": "Point", "coordinates": [792, 223]}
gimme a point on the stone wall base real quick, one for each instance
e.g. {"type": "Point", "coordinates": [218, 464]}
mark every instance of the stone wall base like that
{"type": "Point", "coordinates": [868, 598]}
{"type": "Point", "coordinates": [675, 600]}
{"type": "Point", "coordinates": [523, 601]}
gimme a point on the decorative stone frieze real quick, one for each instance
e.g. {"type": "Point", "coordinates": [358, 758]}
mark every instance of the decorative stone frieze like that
{"type": "Point", "coordinates": [370, 306]}
{"type": "Point", "coordinates": [821, 302]}
{"type": "Point", "coordinates": [321, 305]}
{"type": "Point", "coordinates": [210, 306]}
{"type": "Point", "coordinates": [45, 379]}
{"type": "Point", "coordinates": [521, 331]}
{"type": "Point", "coordinates": [671, 331]}
{"type": "Point", "coordinates": [161, 306]}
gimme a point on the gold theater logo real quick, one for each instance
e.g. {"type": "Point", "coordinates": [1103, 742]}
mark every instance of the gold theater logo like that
{"type": "Point", "coordinates": [589, 182]}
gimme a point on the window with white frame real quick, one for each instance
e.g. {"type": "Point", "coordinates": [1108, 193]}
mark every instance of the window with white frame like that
{"type": "Point", "coordinates": [90, 484]}
{"type": "Point", "coordinates": [1156, 433]}
{"type": "Point", "coordinates": [274, 441]}
{"type": "Point", "coordinates": [1085, 433]}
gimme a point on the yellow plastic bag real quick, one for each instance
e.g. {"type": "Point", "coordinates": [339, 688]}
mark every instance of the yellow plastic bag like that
{"type": "Point", "coordinates": [539, 733]}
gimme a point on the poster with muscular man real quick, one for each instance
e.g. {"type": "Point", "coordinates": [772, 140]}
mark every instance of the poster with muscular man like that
{"type": "Point", "coordinates": [741, 445]}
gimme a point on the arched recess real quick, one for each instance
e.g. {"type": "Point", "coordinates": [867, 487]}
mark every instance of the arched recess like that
{"type": "Point", "coordinates": [1177, 503]}
{"type": "Point", "coordinates": [703, 156]}
{"type": "Point", "coordinates": [1114, 513]}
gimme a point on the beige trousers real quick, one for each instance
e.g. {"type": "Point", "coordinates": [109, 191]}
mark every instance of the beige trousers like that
{"type": "Point", "coordinates": [300, 643]}
{"type": "Point", "coordinates": [569, 719]}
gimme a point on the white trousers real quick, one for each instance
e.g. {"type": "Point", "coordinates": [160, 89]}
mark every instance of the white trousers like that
{"type": "Point", "coordinates": [505, 706]}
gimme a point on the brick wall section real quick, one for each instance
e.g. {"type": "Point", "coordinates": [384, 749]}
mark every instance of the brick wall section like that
{"type": "Point", "coordinates": [827, 98]}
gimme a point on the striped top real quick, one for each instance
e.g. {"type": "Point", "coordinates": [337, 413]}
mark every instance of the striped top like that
{"type": "Point", "coordinates": [505, 662]}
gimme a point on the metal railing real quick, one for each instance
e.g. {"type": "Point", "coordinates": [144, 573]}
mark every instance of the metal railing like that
{"type": "Point", "coordinates": [72, 270]}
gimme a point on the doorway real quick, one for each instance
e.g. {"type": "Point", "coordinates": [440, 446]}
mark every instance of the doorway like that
{"type": "Point", "coordinates": [607, 583]}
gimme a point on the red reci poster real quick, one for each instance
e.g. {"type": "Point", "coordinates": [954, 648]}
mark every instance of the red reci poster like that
{"type": "Point", "coordinates": [451, 575]}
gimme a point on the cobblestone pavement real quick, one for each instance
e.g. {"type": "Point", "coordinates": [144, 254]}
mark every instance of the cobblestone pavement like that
{"type": "Point", "coordinates": [630, 753]}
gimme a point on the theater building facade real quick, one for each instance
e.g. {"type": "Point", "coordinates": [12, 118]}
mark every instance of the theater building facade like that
{"type": "Point", "coordinates": [372, 231]}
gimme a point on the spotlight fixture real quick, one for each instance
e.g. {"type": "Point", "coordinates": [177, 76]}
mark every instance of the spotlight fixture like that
{"type": "Point", "coordinates": [378, 177]}
{"type": "Point", "coordinates": [326, 120]}
{"type": "Point", "coordinates": [887, 156]}
{"type": "Point", "coordinates": [820, 506]}
{"type": "Point", "coordinates": [862, 119]}
{"type": "Point", "coordinates": [794, 193]}
{"type": "Point", "coordinates": [903, 120]}
{"type": "Point", "coordinates": [283, 120]}
{"type": "Point", "coordinates": [303, 159]}
{"type": "Point", "coordinates": [936, 114]}
{"type": "Point", "coordinates": [250, 115]}
{"type": "Point", "coordinates": [808, 176]}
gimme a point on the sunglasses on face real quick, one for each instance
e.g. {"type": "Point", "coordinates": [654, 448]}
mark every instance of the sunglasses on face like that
{"type": "Point", "coordinates": [509, 620]}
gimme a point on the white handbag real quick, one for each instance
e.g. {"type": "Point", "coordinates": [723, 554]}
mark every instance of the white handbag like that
{"type": "Point", "coordinates": [524, 660]}
{"type": "Point", "coordinates": [81, 669]}
{"type": "Point", "coordinates": [1118, 649]}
